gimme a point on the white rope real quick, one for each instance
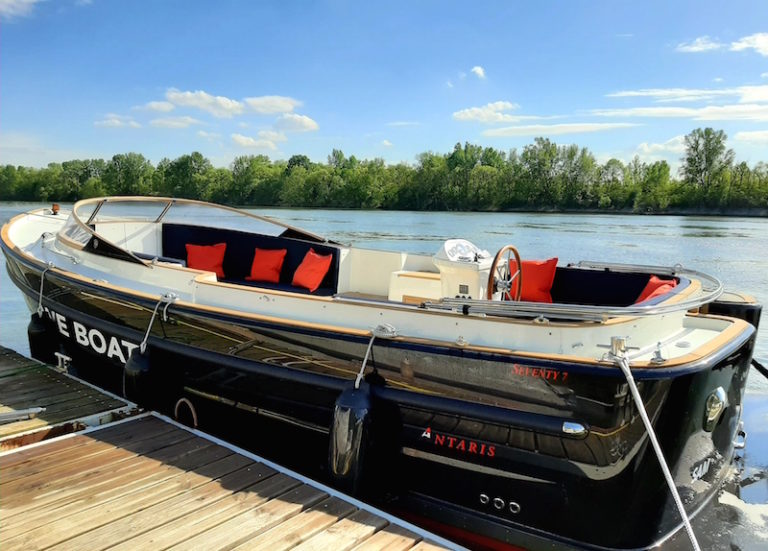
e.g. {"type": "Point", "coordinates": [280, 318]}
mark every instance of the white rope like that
{"type": "Point", "coordinates": [166, 299]}
{"type": "Point", "coordinates": [623, 363]}
{"type": "Point", "coordinates": [385, 331]}
{"type": "Point", "coordinates": [365, 361]}
{"type": "Point", "coordinates": [40, 298]}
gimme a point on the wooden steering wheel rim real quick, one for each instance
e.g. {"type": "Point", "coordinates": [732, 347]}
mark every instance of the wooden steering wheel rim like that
{"type": "Point", "coordinates": [506, 249]}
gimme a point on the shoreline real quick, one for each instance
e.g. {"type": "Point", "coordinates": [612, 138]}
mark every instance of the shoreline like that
{"type": "Point", "coordinates": [685, 212]}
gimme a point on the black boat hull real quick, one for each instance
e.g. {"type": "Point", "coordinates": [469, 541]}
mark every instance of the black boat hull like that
{"type": "Point", "coordinates": [503, 467]}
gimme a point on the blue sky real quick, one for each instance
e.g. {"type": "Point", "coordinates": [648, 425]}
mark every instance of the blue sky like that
{"type": "Point", "coordinates": [84, 79]}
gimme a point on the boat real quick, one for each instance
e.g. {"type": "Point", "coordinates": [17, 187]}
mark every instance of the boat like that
{"type": "Point", "coordinates": [503, 401]}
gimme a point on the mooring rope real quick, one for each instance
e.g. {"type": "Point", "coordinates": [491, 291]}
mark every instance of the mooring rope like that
{"type": "Point", "coordinates": [40, 298]}
{"type": "Point", "coordinates": [359, 377]}
{"type": "Point", "coordinates": [166, 299]}
{"type": "Point", "coordinates": [623, 364]}
{"type": "Point", "coordinates": [385, 331]}
{"type": "Point", "coordinates": [760, 368]}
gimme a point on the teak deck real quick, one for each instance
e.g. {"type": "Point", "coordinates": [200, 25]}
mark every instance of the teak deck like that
{"type": "Point", "coordinates": [69, 403]}
{"type": "Point", "coordinates": [147, 483]}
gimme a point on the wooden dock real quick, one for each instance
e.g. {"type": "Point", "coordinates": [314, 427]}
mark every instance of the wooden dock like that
{"type": "Point", "coordinates": [82, 474]}
{"type": "Point", "coordinates": [39, 402]}
{"type": "Point", "coordinates": [148, 483]}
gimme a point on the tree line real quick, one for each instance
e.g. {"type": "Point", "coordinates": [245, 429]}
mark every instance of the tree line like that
{"type": "Point", "coordinates": [543, 176]}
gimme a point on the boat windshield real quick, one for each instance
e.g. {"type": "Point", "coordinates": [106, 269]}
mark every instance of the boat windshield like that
{"type": "Point", "coordinates": [125, 211]}
{"type": "Point", "coordinates": [75, 232]}
{"type": "Point", "coordinates": [230, 219]}
{"type": "Point", "coordinates": [155, 210]}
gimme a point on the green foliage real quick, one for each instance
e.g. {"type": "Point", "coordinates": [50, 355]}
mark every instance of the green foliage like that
{"type": "Point", "coordinates": [544, 176]}
{"type": "Point", "coordinates": [707, 161]}
{"type": "Point", "coordinates": [128, 174]}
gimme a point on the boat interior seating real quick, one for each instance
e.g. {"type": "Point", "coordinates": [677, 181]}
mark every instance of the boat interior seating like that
{"type": "Point", "coordinates": [609, 288]}
{"type": "Point", "coordinates": [240, 252]}
{"type": "Point", "coordinates": [571, 285]}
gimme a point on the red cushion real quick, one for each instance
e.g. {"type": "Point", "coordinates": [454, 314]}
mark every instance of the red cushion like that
{"type": "Point", "coordinates": [267, 264]}
{"type": "Point", "coordinates": [207, 257]}
{"type": "Point", "coordinates": [538, 276]}
{"type": "Point", "coordinates": [312, 270]}
{"type": "Point", "coordinates": [656, 287]}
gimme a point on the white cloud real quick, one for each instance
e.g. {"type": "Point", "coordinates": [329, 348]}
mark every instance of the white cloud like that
{"type": "Point", "coordinates": [386, 143]}
{"type": "Point", "coordinates": [675, 146]}
{"type": "Point", "coordinates": [174, 122]}
{"type": "Point", "coordinates": [403, 123]}
{"type": "Point", "coordinates": [449, 84]}
{"type": "Point", "coordinates": [489, 113]}
{"type": "Point", "coordinates": [247, 141]}
{"type": "Point", "coordinates": [291, 122]}
{"type": "Point", "coordinates": [16, 8]}
{"type": "Point", "coordinates": [159, 106]}
{"type": "Point", "coordinates": [479, 71]}
{"type": "Point", "coordinates": [734, 112]}
{"type": "Point", "coordinates": [218, 106]}
{"type": "Point", "coordinates": [753, 94]}
{"type": "Point", "coordinates": [674, 94]}
{"type": "Point", "coordinates": [272, 136]}
{"type": "Point", "coordinates": [717, 79]}
{"type": "Point", "coordinates": [556, 129]}
{"type": "Point", "coordinates": [764, 75]}
{"type": "Point", "coordinates": [270, 105]}
{"type": "Point", "coordinates": [745, 94]}
{"type": "Point", "coordinates": [757, 42]}
{"type": "Point", "coordinates": [210, 136]}
{"type": "Point", "coordinates": [701, 44]}
{"type": "Point", "coordinates": [758, 137]}
{"type": "Point", "coordinates": [667, 112]}
{"type": "Point", "coordinates": [111, 120]}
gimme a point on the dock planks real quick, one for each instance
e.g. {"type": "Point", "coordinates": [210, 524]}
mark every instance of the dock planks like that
{"type": "Point", "coordinates": [146, 483]}
{"type": "Point", "coordinates": [69, 403]}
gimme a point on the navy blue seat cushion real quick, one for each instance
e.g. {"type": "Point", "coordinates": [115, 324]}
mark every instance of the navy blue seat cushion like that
{"type": "Point", "coordinates": [240, 249]}
{"type": "Point", "coordinates": [602, 288]}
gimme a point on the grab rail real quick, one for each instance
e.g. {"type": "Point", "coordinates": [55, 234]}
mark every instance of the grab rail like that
{"type": "Point", "coordinates": [712, 288]}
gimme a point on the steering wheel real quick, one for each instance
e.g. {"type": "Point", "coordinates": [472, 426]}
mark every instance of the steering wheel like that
{"type": "Point", "coordinates": [501, 277]}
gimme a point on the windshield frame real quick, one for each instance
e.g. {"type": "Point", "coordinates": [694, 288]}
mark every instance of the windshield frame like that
{"type": "Point", "coordinates": [80, 233]}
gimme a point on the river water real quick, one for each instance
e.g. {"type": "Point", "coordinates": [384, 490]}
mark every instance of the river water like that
{"type": "Point", "coordinates": [734, 249]}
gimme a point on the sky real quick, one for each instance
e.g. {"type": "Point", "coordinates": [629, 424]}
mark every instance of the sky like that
{"type": "Point", "coordinates": [93, 78]}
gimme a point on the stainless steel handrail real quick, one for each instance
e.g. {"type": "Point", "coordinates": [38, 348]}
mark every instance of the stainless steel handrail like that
{"type": "Point", "coordinates": [712, 288]}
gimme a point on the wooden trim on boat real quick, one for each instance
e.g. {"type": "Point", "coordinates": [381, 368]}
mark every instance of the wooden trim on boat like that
{"type": "Point", "coordinates": [736, 327]}
{"type": "Point", "coordinates": [693, 287]}
{"type": "Point", "coordinates": [419, 275]}
{"type": "Point", "coordinates": [70, 243]}
{"type": "Point", "coordinates": [410, 299]}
